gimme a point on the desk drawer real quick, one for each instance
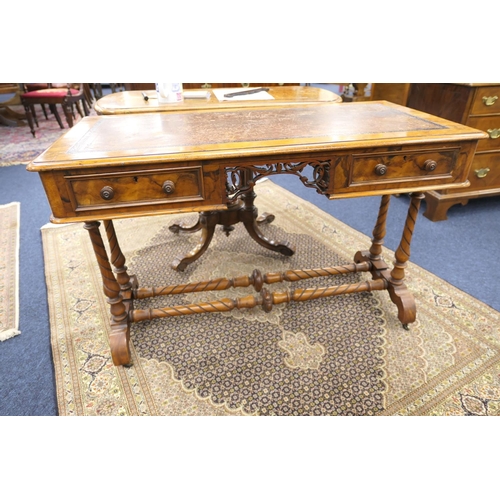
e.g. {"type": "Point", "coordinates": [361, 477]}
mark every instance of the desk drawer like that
{"type": "Point", "coordinates": [142, 187]}
{"type": "Point", "coordinates": [401, 167]}
{"type": "Point", "coordinates": [491, 125]}
{"type": "Point", "coordinates": [401, 170]}
{"type": "Point", "coordinates": [486, 101]}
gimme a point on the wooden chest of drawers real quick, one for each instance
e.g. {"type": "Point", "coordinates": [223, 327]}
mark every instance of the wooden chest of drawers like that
{"type": "Point", "coordinates": [475, 105]}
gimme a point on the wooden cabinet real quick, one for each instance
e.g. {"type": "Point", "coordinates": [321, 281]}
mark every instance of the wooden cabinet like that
{"type": "Point", "coordinates": [475, 105]}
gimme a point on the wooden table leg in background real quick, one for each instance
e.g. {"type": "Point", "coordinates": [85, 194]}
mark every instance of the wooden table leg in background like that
{"type": "Point", "coordinates": [241, 210]}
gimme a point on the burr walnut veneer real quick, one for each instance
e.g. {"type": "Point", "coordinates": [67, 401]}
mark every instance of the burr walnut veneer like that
{"type": "Point", "coordinates": [109, 167]}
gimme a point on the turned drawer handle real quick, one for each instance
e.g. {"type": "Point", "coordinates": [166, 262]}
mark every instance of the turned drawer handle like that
{"type": "Point", "coordinates": [430, 165]}
{"type": "Point", "coordinates": [168, 187]}
{"type": "Point", "coordinates": [494, 133]}
{"type": "Point", "coordinates": [107, 193]}
{"type": "Point", "coordinates": [482, 172]}
{"type": "Point", "coordinates": [489, 101]}
{"type": "Point", "coordinates": [380, 169]}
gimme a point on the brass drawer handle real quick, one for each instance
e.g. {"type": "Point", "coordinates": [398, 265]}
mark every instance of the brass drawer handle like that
{"type": "Point", "coordinates": [168, 187]}
{"type": "Point", "coordinates": [380, 169]}
{"type": "Point", "coordinates": [494, 133]}
{"type": "Point", "coordinates": [206, 86]}
{"type": "Point", "coordinates": [107, 193]}
{"type": "Point", "coordinates": [482, 172]}
{"type": "Point", "coordinates": [489, 101]}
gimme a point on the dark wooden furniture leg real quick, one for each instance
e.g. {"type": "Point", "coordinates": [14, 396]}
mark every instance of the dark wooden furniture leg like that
{"type": "Point", "coordinates": [242, 210]}
{"type": "Point", "coordinates": [437, 205]}
{"type": "Point", "coordinates": [248, 214]}
{"type": "Point", "coordinates": [182, 228]}
{"type": "Point", "coordinates": [68, 114]}
{"type": "Point", "coordinates": [29, 116]}
{"type": "Point", "coordinates": [207, 222]}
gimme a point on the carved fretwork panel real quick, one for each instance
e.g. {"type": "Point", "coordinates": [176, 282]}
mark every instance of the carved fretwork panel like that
{"type": "Point", "coordinates": [312, 173]}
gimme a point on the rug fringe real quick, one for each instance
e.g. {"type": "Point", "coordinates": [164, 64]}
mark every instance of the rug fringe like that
{"type": "Point", "coordinates": [7, 334]}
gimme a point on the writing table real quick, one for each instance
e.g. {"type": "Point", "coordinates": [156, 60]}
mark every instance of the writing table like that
{"type": "Point", "coordinates": [132, 101]}
{"type": "Point", "coordinates": [110, 167]}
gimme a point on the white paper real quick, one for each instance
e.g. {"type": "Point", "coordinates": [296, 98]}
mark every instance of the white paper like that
{"type": "Point", "coordinates": [196, 94]}
{"type": "Point", "coordinates": [258, 96]}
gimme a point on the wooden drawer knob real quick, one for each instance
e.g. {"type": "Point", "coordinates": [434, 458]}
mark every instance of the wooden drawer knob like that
{"type": "Point", "coordinates": [489, 101]}
{"type": "Point", "coordinates": [107, 193]}
{"type": "Point", "coordinates": [168, 187]}
{"type": "Point", "coordinates": [380, 169]}
{"type": "Point", "coordinates": [430, 165]}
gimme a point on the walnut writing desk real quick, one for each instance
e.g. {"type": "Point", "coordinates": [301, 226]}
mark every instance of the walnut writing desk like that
{"type": "Point", "coordinates": [109, 167]}
{"type": "Point", "coordinates": [124, 103]}
{"type": "Point", "coordinates": [131, 102]}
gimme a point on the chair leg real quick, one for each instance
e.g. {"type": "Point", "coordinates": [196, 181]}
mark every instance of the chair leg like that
{"type": "Point", "coordinates": [44, 111]}
{"type": "Point", "coordinates": [85, 108]}
{"type": "Point", "coordinates": [33, 114]}
{"type": "Point", "coordinates": [67, 112]}
{"type": "Point", "coordinates": [29, 117]}
{"type": "Point", "coordinates": [79, 109]}
{"type": "Point", "coordinates": [97, 90]}
{"type": "Point", "coordinates": [87, 93]}
{"type": "Point", "coordinates": [53, 108]}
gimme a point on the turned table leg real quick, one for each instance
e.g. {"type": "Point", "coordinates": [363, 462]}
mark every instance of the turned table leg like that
{"type": "Point", "coordinates": [374, 254]}
{"type": "Point", "coordinates": [120, 329]}
{"type": "Point", "coordinates": [394, 279]}
{"type": "Point", "coordinates": [398, 291]}
{"type": "Point", "coordinates": [379, 230]}
{"type": "Point", "coordinates": [127, 283]}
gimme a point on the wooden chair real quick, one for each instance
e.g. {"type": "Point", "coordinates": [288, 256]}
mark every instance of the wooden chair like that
{"type": "Point", "coordinates": [67, 97]}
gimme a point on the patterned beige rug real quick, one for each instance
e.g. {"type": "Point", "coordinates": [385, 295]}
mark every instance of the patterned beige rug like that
{"type": "Point", "coordinates": [345, 355]}
{"type": "Point", "coordinates": [9, 270]}
{"type": "Point", "coordinates": [19, 147]}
